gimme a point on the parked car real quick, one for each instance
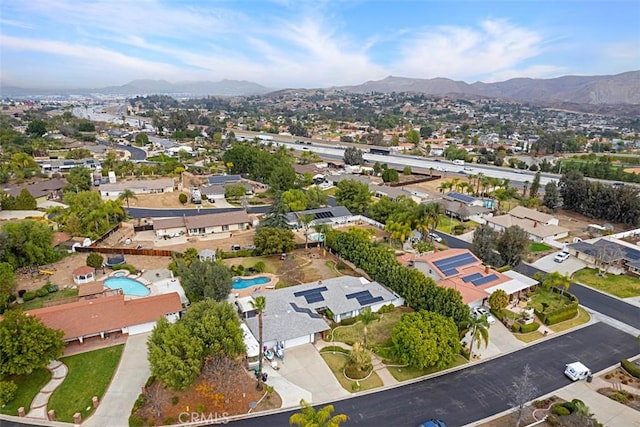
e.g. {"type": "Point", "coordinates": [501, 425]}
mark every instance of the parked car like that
{"type": "Point", "coordinates": [480, 311]}
{"type": "Point", "coordinates": [235, 248]}
{"type": "Point", "coordinates": [562, 256]}
{"type": "Point", "coordinates": [433, 422]}
{"type": "Point", "coordinates": [577, 371]}
{"type": "Point", "coordinates": [435, 237]}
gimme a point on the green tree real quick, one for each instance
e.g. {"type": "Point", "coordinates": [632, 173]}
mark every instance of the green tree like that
{"type": "Point", "coordinates": [36, 128]}
{"type": "Point", "coordinates": [535, 186]}
{"type": "Point", "coordinates": [141, 139]}
{"type": "Point", "coordinates": [353, 195]}
{"type": "Point", "coordinates": [8, 391]}
{"type": "Point", "coordinates": [353, 156]}
{"type": "Point", "coordinates": [78, 179]}
{"type": "Point", "coordinates": [190, 255]}
{"type": "Point", "coordinates": [306, 219]}
{"type": "Point", "coordinates": [551, 198]}
{"type": "Point", "coordinates": [276, 216]}
{"type": "Point", "coordinates": [217, 326]}
{"type": "Point", "coordinates": [259, 304]}
{"type": "Point", "coordinates": [295, 200]}
{"type": "Point", "coordinates": [308, 417]}
{"type": "Point", "coordinates": [175, 355]}
{"type": "Point", "coordinates": [7, 283]}
{"type": "Point", "coordinates": [483, 245]}
{"type": "Point", "coordinates": [316, 198]}
{"type": "Point", "coordinates": [183, 198]}
{"type": "Point", "coordinates": [513, 245]}
{"type": "Point", "coordinates": [25, 201]}
{"type": "Point", "coordinates": [27, 243]}
{"type": "Point", "coordinates": [556, 280]}
{"type": "Point", "coordinates": [95, 260]}
{"type": "Point", "coordinates": [390, 175]}
{"type": "Point", "coordinates": [234, 191]}
{"type": "Point", "coordinates": [282, 178]}
{"type": "Point", "coordinates": [407, 170]}
{"type": "Point", "coordinates": [205, 279]}
{"type": "Point", "coordinates": [367, 317]}
{"type": "Point", "coordinates": [271, 240]}
{"type": "Point", "coordinates": [498, 300]}
{"type": "Point", "coordinates": [425, 339]}
{"type": "Point", "coordinates": [412, 136]}
{"type": "Point", "coordinates": [127, 194]}
{"type": "Point", "coordinates": [479, 329]}
{"type": "Point", "coordinates": [27, 344]}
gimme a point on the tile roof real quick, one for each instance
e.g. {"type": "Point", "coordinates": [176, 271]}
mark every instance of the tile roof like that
{"type": "Point", "coordinates": [528, 225]}
{"type": "Point", "coordinates": [90, 289]}
{"type": "Point", "coordinates": [90, 317]}
{"type": "Point", "coordinates": [84, 270]}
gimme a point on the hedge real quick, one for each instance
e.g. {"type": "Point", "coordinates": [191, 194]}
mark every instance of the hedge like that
{"type": "Point", "coordinates": [28, 296]}
{"type": "Point", "coordinates": [551, 318]}
{"type": "Point", "coordinates": [631, 368]}
{"type": "Point", "coordinates": [530, 327]}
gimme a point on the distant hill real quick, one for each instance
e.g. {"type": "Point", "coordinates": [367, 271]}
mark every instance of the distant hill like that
{"type": "Point", "coordinates": [595, 90]}
{"type": "Point", "coordinates": [149, 87]}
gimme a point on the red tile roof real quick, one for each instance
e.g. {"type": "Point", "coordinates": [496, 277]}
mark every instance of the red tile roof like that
{"type": "Point", "coordinates": [83, 271]}
{"type": "Point", "coordinates": [90, 317]}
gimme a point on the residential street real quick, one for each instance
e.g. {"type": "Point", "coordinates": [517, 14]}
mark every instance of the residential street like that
{"type": "Point", "coordinates": [482, 390]}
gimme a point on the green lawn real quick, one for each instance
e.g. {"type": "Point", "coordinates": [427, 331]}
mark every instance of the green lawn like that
{"type": "Point", "coordinates": [538, 247]}
{"type": "Point", "coordinates": [378, 332]}
{"type": "Point", "coordinates": [409, 372]}
{"type": "Point", "coordinates": [336, 362]}
{"type": "Point", "coordinates": [28, 387]}
{"type": "Point", "coordinates": [621, 286]}
{"type": "Point", "coordinates": [529, 336]}
{"type": "Point", "coordinates": [247, 262]}
{"type": "Point", "coordinates": [38, 302]}
{"type": "Point", "coordinates": [554, 300]}
{"type": "Point", "coordinates": [89, 375]}
{"type": "Point", "coordinates": [581, 318]}
{"type": "Point", "coordinates": [447, 224]}
{"type": "Point", "coordinates": [331, 191]}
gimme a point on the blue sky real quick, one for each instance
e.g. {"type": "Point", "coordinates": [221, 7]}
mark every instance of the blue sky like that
{"type": "Point", "coordinates": [300, 43]}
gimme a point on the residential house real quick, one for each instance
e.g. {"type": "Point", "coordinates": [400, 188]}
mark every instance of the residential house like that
{"type": "Point", "coordinates": [152, 186]}
{"type": "Point", "coordinates": [610, 254]}
{"type": "Point", "coordinates": [394, 193]}
{"type": "Point", "coordinates": [539, 226]}
{"type": "Point", "coordinates": [294, 315]}
{"type": "Point", "coordinates": [112, 314]}
{"type": "Point", "coordinates": [461, 211]}
{"type": "Point", "coordinates": [461, 270]}
{"type": "Point", "coordinates": [201, 225]}
{"type": "Point", "coordinates": [224, 179]}
{"type": "Point", "coordinates": [329, 215]}
{"type": "Point", "coordinates": [467, 200]}
{"type": "Point", "coordinates": [41, 191]}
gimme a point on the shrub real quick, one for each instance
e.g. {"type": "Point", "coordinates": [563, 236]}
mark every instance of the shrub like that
{"type": "Point", "coordinates": [341, 266]}
{"type": "Point", "coordinates": [570, 406]}
{"type": "Point", "coordinates": [140, 402]}
{"type": "Point", "coordinates": [530, 327]}
{"type": "Point", "coordinates": [7, 392]}
{"type": "Point", "coordinates": [42, 292]}
{"type": "Point", "coordinates": [350, 321]}
{"type": "Point", "coordinates": [620, 396]}
{"type": "Point", "coordinates": [560, 410]}
{"type": "Point", "coordinates": [458, 229]}
{"type": "Point", "coordinates": [387, 308]}
{"type": "Point", "coordinates": [539, 404]}
{"type": "Point", "coordinates": [28, 296]}
{"type": "Point", "coordinates": [175, 400]}
{"type": "Point", "coordinates": [260, 267]}
{"type": "Point", "coordinates": [136, 421]}
{"type": "Point", "coordinates": [150, 381]}
{"type": "Point", "coordinates": [516, 327]}
{"type": "Point", "coordinates": [168, 421]}
{"type": "Point", "coordinates": [130, 268]}
{"type": "Point", "coordinates": [183, 198]}
{"type": "Point", "coordinates": [630, 367]}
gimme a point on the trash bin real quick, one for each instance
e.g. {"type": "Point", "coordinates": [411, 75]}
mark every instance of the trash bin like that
{"type": "Point", "coordinates": [589, 378]}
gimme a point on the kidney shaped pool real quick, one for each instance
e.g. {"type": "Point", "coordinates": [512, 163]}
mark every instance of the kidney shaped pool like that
{"type": "Point", "coordinates": [128, 286]}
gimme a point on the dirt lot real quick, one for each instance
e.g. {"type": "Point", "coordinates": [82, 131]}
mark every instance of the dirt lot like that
{"type": "Point", "coordinates": [161, 200]}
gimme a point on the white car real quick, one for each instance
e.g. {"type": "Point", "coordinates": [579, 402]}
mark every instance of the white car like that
{"type": "Point", "coordinates": [479, 311]}
{"type": "Point", "coordinates": [562, 256]}
{"type": "Point", "coordinates": [435, 237]}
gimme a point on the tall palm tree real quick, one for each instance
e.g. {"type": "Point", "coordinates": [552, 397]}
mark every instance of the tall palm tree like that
{"type": "Point", "coordinates": [479, 327]}
{"type": "Point", "coordinates": [398, 230]}
{"type": "Point", "coordinates": [444, 186]}
{"type": "Point", "coordinates": [259, 304]}
{"type": "Point", "coordinates": [127, 194]}
{"type": "Point", "coordinates": [479, 180]}
{"type": "Point", "coordinates": [306, 220]}
{"type": "Point", "coordinates": [308, 417]}
{"type": "Point", "coordinates": [367, 317]}
{"type": "Point", "coordinates": [557, 280]}
{"type": "Point", "coordinates": [434, 210]}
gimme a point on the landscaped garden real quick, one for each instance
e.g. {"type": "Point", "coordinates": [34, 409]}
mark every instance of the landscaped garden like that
{"type": "Point", "coordinates": [39, 301]}
{"type": "Point", "coordinates": [336, 359]}
{"type": "Point", "coordinates": [622, 286]}
{"type": "Point", "coordinates": [89, 375]}
{"type": "Point", "coordinates": [28, 386]}
{"type": "Point", "coordinates": [403, 373]}
{"type": "Point", "coordinates": [538, 247]}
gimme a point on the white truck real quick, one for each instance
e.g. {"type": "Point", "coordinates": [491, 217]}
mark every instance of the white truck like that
{"type": "Point", "coordinates": [458, 162]}
{"type": "Point", "coordinates": [577, 371]}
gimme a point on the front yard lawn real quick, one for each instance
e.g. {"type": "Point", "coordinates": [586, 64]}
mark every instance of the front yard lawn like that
{"type": "Point", "coordinates": [447, 224]}
{"type": "Point", "coordinates": [89, 375]}
{"type": "Point", "coordinates": [28, 387]}
{"type": "Point", "coordinates": [621, 286]}
{"type": "Point", "coordinates": [378, 332]}
{"type": "Point", "coordinates": [538, 247]}
{"type": "Point", "coordinates": [553, 300]}
{"type": "Point", "coordinates": [409, 372]}
{"type": "Point", "coordinates": [582, 318]}
{"type": "Point", "coordinates": [529, 336]}
{"type": "Point", "coordinates": [336, 362]}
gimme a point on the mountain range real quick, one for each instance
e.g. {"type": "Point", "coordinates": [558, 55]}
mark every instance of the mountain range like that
{"type": "Point", "coordinates": [596, 91]}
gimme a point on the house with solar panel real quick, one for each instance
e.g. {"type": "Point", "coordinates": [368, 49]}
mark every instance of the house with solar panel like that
{"type": "Point", "coordinates": [468, 200]}
{"type": "Point", "coordinates": [616, 256]}
{"type": "Point", "coordinates": [329, 215]}
{"type": "Point", "coordinates": [461, 270]}
{"type": "Point", "coordinates": [296, 315]}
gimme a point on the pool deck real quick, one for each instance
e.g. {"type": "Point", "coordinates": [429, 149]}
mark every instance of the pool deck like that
{"type": "Point", "coordinates": [270, 285]}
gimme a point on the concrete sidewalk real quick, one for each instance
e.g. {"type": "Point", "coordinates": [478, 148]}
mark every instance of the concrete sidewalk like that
{"type": "Point", "coordinates": [126, 385]}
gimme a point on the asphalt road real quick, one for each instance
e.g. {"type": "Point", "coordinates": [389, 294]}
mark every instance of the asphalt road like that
{"type": "Point", "coordinates": [161, 213]}
{"type": "Point", "coordinates": [480, 391]}
{"type": "Point", "coordinates": [136, 153]}
{"type": "Point", "coordinates": [612, 307]}
{"type": "Point", "coordinates": [453, 242]}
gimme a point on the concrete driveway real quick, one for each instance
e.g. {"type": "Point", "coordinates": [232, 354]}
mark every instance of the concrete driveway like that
{"type": "Point", "coordinates": [304, 367]}
{"type": "Point", "coordinates": [568, 267]}
{"type": "Point", "coordinates": [501, 341]}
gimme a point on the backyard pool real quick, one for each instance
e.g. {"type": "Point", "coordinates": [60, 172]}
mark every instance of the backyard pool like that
{"type": "Point", "coordinates": [240, 283]}
{"type": "Point", "coordinates": [128, 286]}
{"type": "Point", "coordinates": [316, 237]}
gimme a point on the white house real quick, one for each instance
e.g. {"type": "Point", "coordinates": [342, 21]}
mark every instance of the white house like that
{"type": "Point", "coordinates": [539, 226]}
{"type": "Point", "coordinates": [152, 186]}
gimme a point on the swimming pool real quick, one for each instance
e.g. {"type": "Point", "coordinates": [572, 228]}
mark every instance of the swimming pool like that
{"type": "Point", "coordinates": [119, 274]}
{"type": "Point", "coordinates": [128, 286]}
{"type": "Point", "coordinates": [240, 283]}
{"type": "Point", "coordinates": [316, 237]}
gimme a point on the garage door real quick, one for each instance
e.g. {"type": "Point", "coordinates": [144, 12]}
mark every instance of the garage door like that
{"type": "Point", "coordinates": [142, 328]}
{"type": "Point", "coordinates": [297, 341]}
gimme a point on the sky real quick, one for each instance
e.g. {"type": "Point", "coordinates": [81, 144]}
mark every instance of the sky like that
{"type": "Point", "coordinates": [311, 43]}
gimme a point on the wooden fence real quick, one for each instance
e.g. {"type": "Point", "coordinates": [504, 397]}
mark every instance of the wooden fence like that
{"type": "Point", "coordinates": [128, 251]}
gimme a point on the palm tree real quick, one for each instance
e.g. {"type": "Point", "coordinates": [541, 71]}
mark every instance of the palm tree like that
{"type": "Point", "coordinates": [306, 220]}
{"type": "Point", "coordinates": [557, 280]}
{"type": "Point", "coordinates": [398, 230]}
{"type": "Point", "coordinates": [308, 417]}
{"type": "Point", "coordinates": [434, 210]}
{"type": "Point", "coordinates": [367, 317]}
{"type": "Point", "coordinates": [259, 304]}
{"type": "Point", "coordinates": [479, 327]}
{"type": "Point", "coordinates": [127, 194]}
{"type": "Point", "coordinates": [444, 185]}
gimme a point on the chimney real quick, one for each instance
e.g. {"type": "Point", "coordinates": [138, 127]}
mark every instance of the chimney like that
{"type": "Point", "coordinates": [535, 224]}
{"type": "Point", "coordinates": [486, 269]}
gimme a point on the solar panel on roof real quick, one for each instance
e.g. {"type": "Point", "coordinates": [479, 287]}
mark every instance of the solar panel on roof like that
{"type": "Point", "coordinates": [358, 294]}
{"type": "Point", "coordinates": [323, 215]}
{"type": "Point", "coordinates": [314, 298]}
{"type": "Point", "coordinates": [369, 301]}
{"type": "Point", "coordinates": [306, 311]}
{"type": "Point", "coordinates": [485, 279]}
{"type": "Point", "coordinates": [449, 272]}
{"type": "Point", "coordinates": [309, 291]}
{"type": "Point", "coordinates": [471, 277]}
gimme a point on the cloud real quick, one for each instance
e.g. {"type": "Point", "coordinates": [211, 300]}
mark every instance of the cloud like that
{"type": "Point", "coordinates": [464, 52]}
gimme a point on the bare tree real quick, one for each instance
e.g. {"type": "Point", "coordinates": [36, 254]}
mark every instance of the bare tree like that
{"type": "Point", "coordinates": [522, 391]}
{"type": "Point", "coordinates": [155, 394]}
{"type": "Point", "coordinates": [606, 255]}
{"type": "Point", "coordinates": [218, 370]}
